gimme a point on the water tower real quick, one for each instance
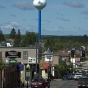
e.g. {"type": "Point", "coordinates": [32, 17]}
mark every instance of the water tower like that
{"type": "Point", "coordinates": [39, 4]}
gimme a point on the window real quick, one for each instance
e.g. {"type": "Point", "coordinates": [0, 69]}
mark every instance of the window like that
{"type": "Point", "coordinates": [25, 54]}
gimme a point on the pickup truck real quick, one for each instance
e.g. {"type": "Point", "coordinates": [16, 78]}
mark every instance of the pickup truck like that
{"type": "Point", "coordinates": [82, 82]}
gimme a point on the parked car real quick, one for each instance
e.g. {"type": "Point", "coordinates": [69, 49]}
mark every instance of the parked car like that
{"type": "Point", "coordinates": [72, 75]}
{"type": "Point", "coordinates": [85, 69]}
{"type": "Point", "coordinates": [78, 75]}
{"type": "Point", "coordinates": [82, 82]}
{"type": "Point", "coordinates": [67, 77]}
{"type": "Point", "coordinates": [39, 83]}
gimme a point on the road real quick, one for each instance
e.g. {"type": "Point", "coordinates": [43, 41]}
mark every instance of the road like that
{"type": "Point", "coordinates": [61, 84]}
{"type": "Point", "coordinates": [64, 84]}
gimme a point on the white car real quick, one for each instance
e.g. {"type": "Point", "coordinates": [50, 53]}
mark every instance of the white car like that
{"type": "Point", "coordinates": [85, 69]}
{"type": "Point", "coordinates": [78, 75]}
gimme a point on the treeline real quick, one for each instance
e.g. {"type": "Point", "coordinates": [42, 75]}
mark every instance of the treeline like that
{"type": "Point", "coordinates": [55, 42]}
{"type": "Point", "coordinates": [61, 42]}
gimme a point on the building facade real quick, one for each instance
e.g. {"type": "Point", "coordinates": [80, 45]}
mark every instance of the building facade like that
{"type": "Point", "coordinates": [25, 53]}
{"type": "Point", "coordinates": [30, 53]}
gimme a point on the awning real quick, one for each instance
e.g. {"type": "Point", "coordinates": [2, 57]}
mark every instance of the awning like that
{"type": "Point", "coordinates": [47, 65]}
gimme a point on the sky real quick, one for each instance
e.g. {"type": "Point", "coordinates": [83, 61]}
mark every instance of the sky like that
{"type": "Point", "coordinates": [59, 17]}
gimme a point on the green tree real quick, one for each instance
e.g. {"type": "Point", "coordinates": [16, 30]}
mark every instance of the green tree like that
{"type": "Point", "coordinates": [77, 55]}
{"type": "Point", "coordinates": [47, 43]}
{"type": "Point", "coordinates": [61, 68]}
{"type": "Point", "coordinates": [2, 65]}
{"type": "Point", "coordinates": [12, 34]}
{"type": "Point", "coordinates": [17, 40]}
{"type": "Point", "coordinates": [28, 39]}
{"type": "Point", "coordinates": [2, 38]}
{"type": "Point", "coordinates": [70, 68]}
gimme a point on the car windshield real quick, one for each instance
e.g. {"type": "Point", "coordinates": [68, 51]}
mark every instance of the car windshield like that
{"type": "Point", "coordinates": [66, 75]}
{"type": "Point", "coordinates": [73, 74]}
{"type": "Point", "coordinates": [78, 74]}
{"type": "Point", "coordinates": [37, 80]}
{"type": "Point", "coordinates": [83, 79]}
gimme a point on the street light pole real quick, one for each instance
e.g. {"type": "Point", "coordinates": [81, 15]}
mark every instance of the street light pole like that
{"type": "Point", "coordinates": [27, 73]}
{"type": "Point", "coordinates": [36, 54]}
{"type": "Point", "coordinates": [27, 82]}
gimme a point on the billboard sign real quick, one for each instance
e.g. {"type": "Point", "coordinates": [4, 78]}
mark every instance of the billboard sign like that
{"type": "Point", "coordinates": [32, 60]}
{"type": "Point", "coordinates": [77, 59]}
{"type": "Point", "coordinates": [13, 54]}
{"type": "Point", "coordinates": [48, 57]}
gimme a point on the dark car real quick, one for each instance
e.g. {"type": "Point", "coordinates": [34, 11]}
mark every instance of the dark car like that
{"type": "Point", "coordinates": [66, 77]}
{"type": "Point", "coordinates": [82, 82]}
{"type": "Point", "coordinates": [39, 83]}
{"type": "Point", "coordinates": [72, 75]}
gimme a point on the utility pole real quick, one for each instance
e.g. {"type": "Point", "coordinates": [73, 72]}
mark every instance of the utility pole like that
{"type": "Point", "coordinates": [36, 60]}
{"type": "Point", "coordinates": [72, 56]}
{"type": "Point", "coordinates": [36, 54]}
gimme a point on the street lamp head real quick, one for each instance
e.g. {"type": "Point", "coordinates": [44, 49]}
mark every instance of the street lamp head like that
{"type": "Point", "coordinates": [39, 4]}
{"type": "Point", "coordinates": [27, 66]}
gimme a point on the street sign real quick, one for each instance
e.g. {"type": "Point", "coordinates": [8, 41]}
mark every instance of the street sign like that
{"type": "Point", "coordinates": [12, 61]}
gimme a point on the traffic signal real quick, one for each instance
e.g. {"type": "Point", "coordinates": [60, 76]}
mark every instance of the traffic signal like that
{"type": "Point", "coordinates": [83, 53]}
{"type": "Point", "coordinates": [72, 53]}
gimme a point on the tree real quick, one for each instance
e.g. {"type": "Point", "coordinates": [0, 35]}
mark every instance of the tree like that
{"type": "Point", "coordinates": [2, 38]}
{"type": "Point", "coordinates": [70, 68]}
{"type": "Point", "coordinates": [29, 39]}
{"type": "Point", "coordinates": [60, 68]}
{"type": "Point", "coordinates": [2, 65]}
{"type": "Point", "coordinates": [17, 40]}
{"type": "Point", "coordinates": [12, 34]}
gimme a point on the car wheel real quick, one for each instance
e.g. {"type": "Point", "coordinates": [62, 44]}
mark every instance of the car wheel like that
{"type": "Point", "coordinates": [41, 87]}
{"type": "Point", "coordinates": [65, 79]}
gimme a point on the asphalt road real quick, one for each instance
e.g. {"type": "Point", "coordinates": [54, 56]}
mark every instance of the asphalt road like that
{"type": "Point", "coordinates": [64, 84]}
{"type": "Point", "coordinates": [61, 84]}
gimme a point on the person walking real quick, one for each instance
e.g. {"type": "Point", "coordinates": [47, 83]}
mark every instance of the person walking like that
{"type": "Point", "coordinates": [19, 83]}
{"type": "Point", "coordinates": [23, 82]}
{"type": "Point", "coordinates": [48, 83]}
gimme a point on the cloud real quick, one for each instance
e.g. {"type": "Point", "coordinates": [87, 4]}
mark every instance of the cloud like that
{"type": "Point", "coordinates": [23, 6]}
{"type": "Point", "coordinates": [64, 19]}
{"type": "Point", "coordinates": [85, 12]}
{"type": "Point", "coordinates": [13, 15]}
{"type": "Point", "coordinates": [74, 4]}
{"type": "Point", "coordinates": [86, 18]}
{"type": "Point", "coordinates": [9, 26]}
{"type": "Point", "coordinates": [62, 28]}
{"type": "Point", "coordinates": [51, 29]}
{"type": "Point", "coordinates": [2, 6]}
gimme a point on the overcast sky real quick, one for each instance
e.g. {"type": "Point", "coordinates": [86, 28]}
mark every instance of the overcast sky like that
{"type": "Point", "coordinates": [59, 17]}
